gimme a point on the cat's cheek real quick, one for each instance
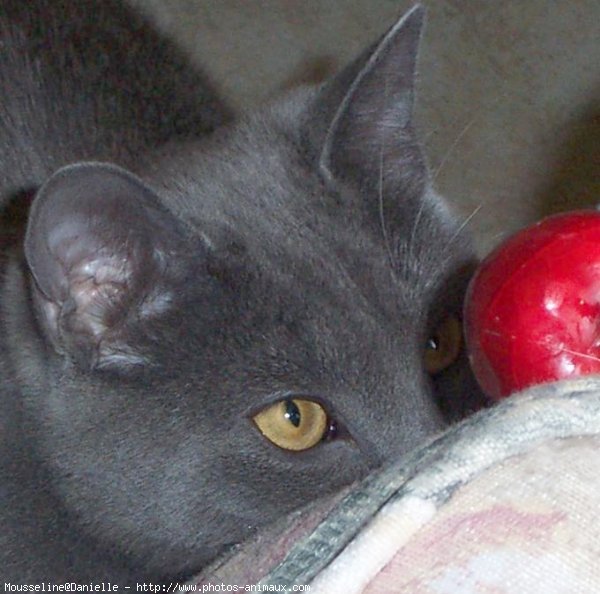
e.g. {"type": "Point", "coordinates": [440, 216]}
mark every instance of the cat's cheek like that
{"type": "Point", "coordinates": [317, 471]}
{"type": "Point", "coordinates": [258, 465]}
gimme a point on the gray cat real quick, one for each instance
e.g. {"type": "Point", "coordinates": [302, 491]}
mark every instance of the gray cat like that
{"type": "Point", "coordinates": [205, 325]}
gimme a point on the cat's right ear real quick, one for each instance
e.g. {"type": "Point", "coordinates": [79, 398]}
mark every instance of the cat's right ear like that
{"type": "Point", "coordinates": [99, 246]}
{"type": "Point", "coordinates": [361, 120]}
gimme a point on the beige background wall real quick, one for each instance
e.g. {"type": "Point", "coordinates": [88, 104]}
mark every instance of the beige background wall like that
{"type": "Point", "coordinates": [509, 92]}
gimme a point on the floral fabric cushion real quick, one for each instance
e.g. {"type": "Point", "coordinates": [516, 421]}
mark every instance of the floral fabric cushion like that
{"type": "Point", "coordinates": [506, 502]}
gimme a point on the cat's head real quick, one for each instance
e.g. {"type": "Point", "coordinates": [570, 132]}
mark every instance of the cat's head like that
{"type": "Point", "coordinates": [268, 315]}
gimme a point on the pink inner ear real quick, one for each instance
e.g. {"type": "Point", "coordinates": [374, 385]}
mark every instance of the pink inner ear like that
{"type": "Point", "coordinates": [96, 287]}
{"type": "Point", "coordinates": [97, 245]}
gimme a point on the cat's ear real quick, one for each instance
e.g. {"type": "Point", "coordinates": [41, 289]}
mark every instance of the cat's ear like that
{"type": "Point", "coordinates": [98, 244]}
{"type": "Point", "coordinates": [364, 115]}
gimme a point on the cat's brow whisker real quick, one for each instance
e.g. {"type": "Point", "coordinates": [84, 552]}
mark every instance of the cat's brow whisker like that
{"type": "Point", "coordinates": [498, 237]}
{"type": "Point", "coordinates": [429, 135]}
{"type": "Point", "coordinates": [454, 144]}
{"type": "Point", "coordinates": [386, 238]}
{"type": "Point", "coordinates": [462, 134]}
{"type": "Point", "coordinates": [413, 233]}
{"type": "Point", "coordinates": [464, 224]}
{"type": "Point", "coordinates": [457, 233]}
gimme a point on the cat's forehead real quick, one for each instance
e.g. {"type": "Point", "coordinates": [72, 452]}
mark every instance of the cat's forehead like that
{"type": "Point", "coordinates": [257, 182]}
{"type": "Point", "coordinates": [240, 170]}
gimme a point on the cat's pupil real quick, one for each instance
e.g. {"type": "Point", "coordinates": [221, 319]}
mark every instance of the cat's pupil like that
{"type": "Point", "coordinates": [292, 413]}
{"type": "Point", "coordinates": [433, 344]}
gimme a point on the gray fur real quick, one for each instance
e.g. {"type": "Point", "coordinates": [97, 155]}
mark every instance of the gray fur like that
{"type": "Point", "coordinates": [148, 307]}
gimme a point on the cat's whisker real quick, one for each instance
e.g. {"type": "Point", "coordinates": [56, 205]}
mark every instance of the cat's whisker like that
{"type": "Point", "coordinates": [579, 354]}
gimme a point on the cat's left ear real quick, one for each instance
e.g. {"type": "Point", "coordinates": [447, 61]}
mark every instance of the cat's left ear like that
{"type": "Point", "coordinates": [103, 252]}
{"type": "Point", "coordinates": [362, 119]}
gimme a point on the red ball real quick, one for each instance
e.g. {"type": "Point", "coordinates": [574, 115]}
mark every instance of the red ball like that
{"type": "Point", "coordinates": [532, 312]}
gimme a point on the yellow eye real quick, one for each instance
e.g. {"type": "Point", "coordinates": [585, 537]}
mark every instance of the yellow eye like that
{"type": "Point", "coordinates": [443, 346]}
{"type": "Point", "coordinates": [293, 424]}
